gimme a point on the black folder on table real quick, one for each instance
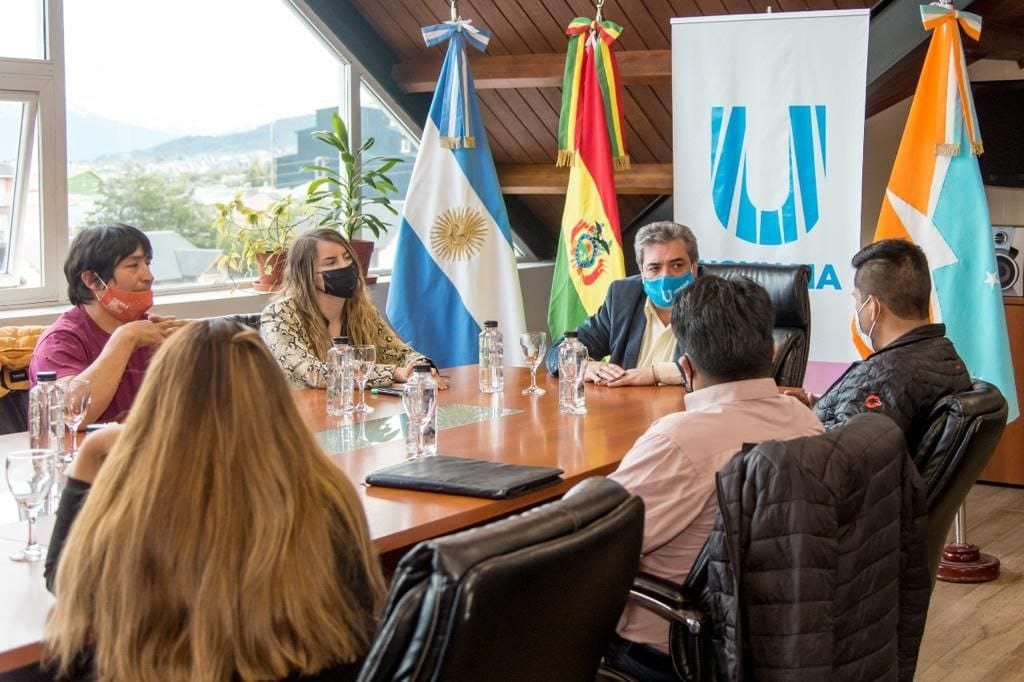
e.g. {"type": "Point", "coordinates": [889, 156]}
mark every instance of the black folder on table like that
{"type": "Point", "coordinates": [461, 476]}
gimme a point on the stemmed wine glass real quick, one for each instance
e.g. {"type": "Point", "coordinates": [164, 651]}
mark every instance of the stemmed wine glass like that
{"type": "Point", "coordinates": [420, 402]}
{"type": "Point", "coordinates": [30, 475]}
{"type": "Point", "coordinates": [77, 398]}
{"type": "Point", "coordinates": [363, 360]}
{"type": "Point", "coordinates": [533, 345]}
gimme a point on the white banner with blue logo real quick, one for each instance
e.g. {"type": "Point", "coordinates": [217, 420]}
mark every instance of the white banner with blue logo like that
{"type": "Point", "coordinates": [768, 118]}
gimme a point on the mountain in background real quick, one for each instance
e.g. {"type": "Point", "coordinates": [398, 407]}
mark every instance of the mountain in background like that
{"type": "Point", "coordinates": [91, 138]}
{"type": "Point", "coordinates": [280, 133]}
{"type": "Point", "coordinates": [88, 136]}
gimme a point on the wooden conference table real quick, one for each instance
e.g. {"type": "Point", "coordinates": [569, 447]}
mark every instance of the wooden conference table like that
{"type": "Point", "coordinates": [532, 431]}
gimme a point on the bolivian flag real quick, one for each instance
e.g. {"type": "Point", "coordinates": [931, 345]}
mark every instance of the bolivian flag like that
{"type": "Point", "coordinates": [936, 199]}
{"type": "Point", "coordinates": [591, 143]}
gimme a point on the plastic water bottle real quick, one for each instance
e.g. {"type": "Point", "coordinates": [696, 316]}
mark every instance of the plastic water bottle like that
{"type": "Point", "coordinates": [492, 359]}
{"type": "Point", "coordinates": [572, 365]}
{"type": "Point", "coordinates": [340, 378]}
{"type": "Point", "coordinates": [46, 413]}
{"type": "Point", "coordinates": [418, 396]}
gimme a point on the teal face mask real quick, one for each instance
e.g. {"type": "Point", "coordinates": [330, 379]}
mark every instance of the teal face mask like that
{"type": "Point", "coordinates": [662, 290]}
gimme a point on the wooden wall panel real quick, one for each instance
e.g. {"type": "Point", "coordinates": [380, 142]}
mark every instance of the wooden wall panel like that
{"type": "Point", "coordinates": [522, 125]}
{"type": "Point", "coordinates": [1007, 463]}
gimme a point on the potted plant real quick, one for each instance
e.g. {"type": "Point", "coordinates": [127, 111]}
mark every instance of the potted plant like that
{"type": "Point", "coordinates": [341, 196]}
{"type": "Point", "coordinates": [258, 239]}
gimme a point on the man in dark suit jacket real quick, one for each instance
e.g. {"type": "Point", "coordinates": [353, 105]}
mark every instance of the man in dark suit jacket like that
{"type": "Point", "coordinates": [632, 327]}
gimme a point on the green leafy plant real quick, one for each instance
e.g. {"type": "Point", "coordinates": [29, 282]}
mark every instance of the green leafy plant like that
{"type": "Point", "coordinates": [340, 196]}
{"type": "Point", "coordinates": [248, 235]}
{"type": "Point", "coordinates": [153, 200]}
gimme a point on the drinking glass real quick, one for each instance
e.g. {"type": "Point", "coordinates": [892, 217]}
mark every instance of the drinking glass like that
{"type": "Point", "coordinates": [533, 345]}
{"type": "Point", "coordinates": [77, 397]}
{"type": "Point", "coordinates": [419, 405]}
{"type": "Point", "coordinates": [30, 475]}
{"type": "Point", "coordinates": [363, 360]}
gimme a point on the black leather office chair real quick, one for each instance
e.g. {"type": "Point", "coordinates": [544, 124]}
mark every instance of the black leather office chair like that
{"type": "Point", "coordinates": [14, 412]}
{"type": "Point", "coordinates": [963, 432]}
{"type": "Point", "coordinates": [875, 438]}
{"type": "Point", "coordinates": [787, 285]}
{"type": "Point", "coordinates": [248, 319]}
{"type": "Point", "coordinates": [532, 597]}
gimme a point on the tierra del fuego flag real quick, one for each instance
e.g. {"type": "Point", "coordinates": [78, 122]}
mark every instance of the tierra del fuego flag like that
{"type": "Point", "coordinates": [936, 199]}
{"type": "Point", "coordinates": [590, 133]}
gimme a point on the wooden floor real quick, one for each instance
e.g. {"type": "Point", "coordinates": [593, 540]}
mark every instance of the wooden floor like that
{"type": "Point", "coordinates": [976, 632]}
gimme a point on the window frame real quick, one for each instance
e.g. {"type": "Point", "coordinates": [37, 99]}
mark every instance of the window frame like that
{"type": "Point", "coordinates": [41, 81]}
{"type": "Point", "coordinates": [29, 101]}
{"type": "Point", "coordinates": [352, 97]}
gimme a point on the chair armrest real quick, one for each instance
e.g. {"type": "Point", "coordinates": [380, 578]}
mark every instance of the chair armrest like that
{"type": "Point", "coordinates": [665, 599]}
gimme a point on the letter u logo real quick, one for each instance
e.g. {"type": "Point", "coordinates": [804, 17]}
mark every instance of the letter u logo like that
{"type": "Point", "coordinates": [800, 211]}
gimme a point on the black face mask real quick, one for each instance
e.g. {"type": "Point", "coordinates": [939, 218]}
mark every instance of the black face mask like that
{"type": "Point", "coordinates": [340, 282]}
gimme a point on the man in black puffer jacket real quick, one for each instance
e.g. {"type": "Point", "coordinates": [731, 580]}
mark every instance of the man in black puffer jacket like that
{"type": "Point", "coordinates": [914, 365]}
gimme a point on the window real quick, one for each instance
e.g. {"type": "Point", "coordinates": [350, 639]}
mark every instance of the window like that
{"type": "Point", "coordinates": [182, 126]}
{"type": "Point", "coordinates": [391, 138]}
{"type": "Point", "coordinates": [31, 153]}
{"type": "Point", "coordinates": [22, 31]}
{"type": "Point", "coordinates": [191, 104]}
{"type": "Point", "coordinates": [20, 253]}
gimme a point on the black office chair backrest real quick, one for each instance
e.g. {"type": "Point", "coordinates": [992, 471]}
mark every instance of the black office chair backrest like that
{"type": "Point", "coordinates": [787, 286]}
{"type": "Point", "coordinates": [14, 401]}
{"type": "Point", "coordinates": [532, 597]}
{"type": "Point", "coordinates": [14, 412]}
{"type": "Point", "coordinates": [963, 431]}
{"type": "Point", "coordinates": [248, 319]}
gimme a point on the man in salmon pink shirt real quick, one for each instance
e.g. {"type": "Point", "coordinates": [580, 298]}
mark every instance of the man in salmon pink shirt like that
{"type": "Point", "coordinates": [724, 330]}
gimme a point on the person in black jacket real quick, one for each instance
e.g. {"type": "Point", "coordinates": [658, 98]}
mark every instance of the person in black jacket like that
{"type": "Point", "coordinates": [632, 327]}
{"type": "Point", "coordinates": [216, 540]}
{"type": "Point", "coordinates": [913, 364]}
{"type": "Point", "coordinates": [817, 567]}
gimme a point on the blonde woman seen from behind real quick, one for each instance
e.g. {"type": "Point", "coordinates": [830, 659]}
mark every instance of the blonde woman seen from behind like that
{"type": "Point", "coordinates": [325, 296]}
{"type": "Point", "coordinates": [217, 541]}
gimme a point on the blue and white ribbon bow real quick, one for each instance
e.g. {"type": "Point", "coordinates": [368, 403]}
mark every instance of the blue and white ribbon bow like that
{"type": "Point", "coordinates": [456, 122]}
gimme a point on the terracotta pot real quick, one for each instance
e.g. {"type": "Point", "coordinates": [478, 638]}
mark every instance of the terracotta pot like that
{"type": "Point", "coordinates": [270, 280]}
{"type": "Point", "coordinates": [364, 251]}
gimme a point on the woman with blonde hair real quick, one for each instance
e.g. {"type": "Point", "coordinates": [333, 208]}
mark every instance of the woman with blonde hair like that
{"type": "Point", "coordinates": [216, 540]}
{"type": "Point", "coordinates": [325, 296]}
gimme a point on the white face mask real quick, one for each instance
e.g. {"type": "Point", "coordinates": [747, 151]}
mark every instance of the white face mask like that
{"type": "Point", "coordinates": [860, 327]}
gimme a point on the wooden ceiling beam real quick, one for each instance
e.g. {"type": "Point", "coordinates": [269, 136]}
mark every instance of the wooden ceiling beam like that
{"type": "Point", "coordinates": [639, 67]}
{"type": "Point", "coordinates": [532, 178]}
{"type": "Point", "coordinates": [998, 41]}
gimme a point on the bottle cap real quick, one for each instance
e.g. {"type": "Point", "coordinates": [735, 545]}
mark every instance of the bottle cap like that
{"type": "Point", "coordinates": [336, 340]}
{"type": "Point", "coordinates": [491, 324]}
{"type": "Point", "coordinates": [46, 376]}
{"type": "Point", "coordinates": [421, 368]}
{"type": "Point", "coordinates": [571, 335]}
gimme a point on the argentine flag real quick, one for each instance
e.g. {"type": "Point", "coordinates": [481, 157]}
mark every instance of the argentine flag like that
{"type": "Point", "coordinates": [454, 266]}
